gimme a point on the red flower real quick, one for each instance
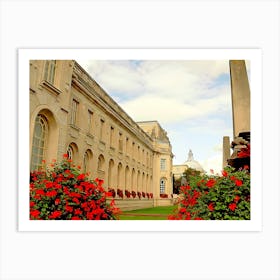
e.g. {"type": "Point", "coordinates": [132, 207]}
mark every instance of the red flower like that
{"type": "Point", "coordinates": [224, 173]}
{"type": "Point", "coordinates": [211, 206]}
{"type": "Point", "coordinates": [245, 152]}
{"type": "Point", "coordinates": [57, 201]}
{"type": "Point", "coordinates": [55, 214]}
{"type": "Point", "coordinates": [109, 194]}
{"type": "Point", "coordinates": [35, 213]}
{"type": "Point", "coordinates": [75, 218]}
{"type": "Point", "coordinates": [183, 210]}
{"type": "Point", "coordinates": [232, 206]}
{"type": "Point", "coordinates": [238, 183]}
{"type": "Point", "coordinates": [51, 193]}
{"type": "Point", "coordinates": [65, 155]}
{"type": "Point", "coordinates": [78, 212]}
{"type": "Point", "coordinates": [74, 194]}
{"type": "Point", "coordinates": [237, 198]}
{"type": "Point", "coordinates": [49, 185]}
{"type": "Point", "coordinates": [69, 208]}
{"type": "Point", "coordinates": [210, 183]}
{"type": "Point", "coordinates": [81, 177]}
{"type": "Point", "coordinates": [40, 191]}
{"type": "Point", "coordinates": [76, 200]}
{"type": "Point", "coordinates": [31, 204]}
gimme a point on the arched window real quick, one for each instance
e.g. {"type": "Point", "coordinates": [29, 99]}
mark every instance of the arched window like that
{"type": "Point", "coordinates": [70, 152]}
{"type": "Point", "coordinates": [162, 185]}
{"type": "Point", "coordinates": [101, 167]}
{"type": "Point", "coordinates": [86, 161]}
{"type": "Point", "coordinates": [111, 181]}
{"type": "Point", "coordinates": [39, 143]}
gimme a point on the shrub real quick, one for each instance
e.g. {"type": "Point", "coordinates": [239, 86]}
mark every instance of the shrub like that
{"type": "Point", "coordinates": [139, 194]}
{"type": "Point", "coordinates": [225, 197]}
{"type": "Point", "coordinates": [143, 194]}
{"type": "Point", "coordinates": [63, 193]}
{"type": "Point", "coordinates": [163, 195]}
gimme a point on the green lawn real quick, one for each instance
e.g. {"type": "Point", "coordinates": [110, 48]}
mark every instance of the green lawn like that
{"type": "Point", "coordinates": [155, 213]}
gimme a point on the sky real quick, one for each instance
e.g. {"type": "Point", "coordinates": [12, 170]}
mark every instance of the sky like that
{"type": "Point", "coordinates": [190, 99]}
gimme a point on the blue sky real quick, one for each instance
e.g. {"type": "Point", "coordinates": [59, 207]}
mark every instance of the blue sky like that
{"type": "Point", "coordinates": [190, 99]}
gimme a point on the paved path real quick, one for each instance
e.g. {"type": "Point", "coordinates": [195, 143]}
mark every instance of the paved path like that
{"type": "Point", "coordinates": [146, 215]}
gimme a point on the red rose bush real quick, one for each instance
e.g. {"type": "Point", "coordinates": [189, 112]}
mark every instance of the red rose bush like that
{"type": "Point", "coordinates": [64, 193]}
{"type": "Point", "coordinates": [214, 197]}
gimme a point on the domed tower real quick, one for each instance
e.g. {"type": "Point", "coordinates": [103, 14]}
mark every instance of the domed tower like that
{"type": "Point", "coordinates": [191, 163]}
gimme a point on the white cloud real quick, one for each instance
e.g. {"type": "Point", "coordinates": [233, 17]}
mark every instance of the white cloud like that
{"type": "Point", "coordinates": [213, 163]}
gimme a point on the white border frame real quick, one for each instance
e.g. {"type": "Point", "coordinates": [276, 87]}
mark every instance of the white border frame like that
{"type": "Point", "coordinates": [255, 57]}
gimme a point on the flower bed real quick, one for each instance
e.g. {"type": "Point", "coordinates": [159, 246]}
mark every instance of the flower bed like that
{"type": "Point", "coordinates": [225, 197]}
{"type": "Point", "coordinates": [64, 193]}
{"type": "Point", "coordinates": [120, 193]}
{"type": "Point", "coordinates": [133, 193]}
{"type": "Point", "coordinates": [127, 193]}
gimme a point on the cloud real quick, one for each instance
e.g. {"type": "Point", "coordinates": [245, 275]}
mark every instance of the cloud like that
{"type": "Point", "coordinates": [167, 109]}
{"type": "Point", "coordinates": [213, 163]}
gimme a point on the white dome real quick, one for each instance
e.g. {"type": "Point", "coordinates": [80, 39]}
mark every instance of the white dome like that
{"type": "Point", "coordinates": [191, 163]}
{"type": "Point", "coordinates": [194, 165]}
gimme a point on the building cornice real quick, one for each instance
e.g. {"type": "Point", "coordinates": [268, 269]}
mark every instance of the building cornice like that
{"type": "Point", "coordinates": [87, 86]}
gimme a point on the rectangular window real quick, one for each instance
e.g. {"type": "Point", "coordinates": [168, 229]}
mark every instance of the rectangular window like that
{"type": "Point", "coordinates": [162, 186]}
{"type": "Point", "coordinates": [120, 142]}
{"type": "Point", "coordinates": [90, 118]}
{"type": "Point", "coordinates": [162, 164]}
{"type": "Point", "coordinates": [102, 127]}
{"type": "Point", "coordinates": [49, 71]}
{"type": "Point", "coordinates": [74, 112]}
{"type": "Point", "coordinates": [112, 132]}
{"type": "Point", "coordinates": [133, 149]}
{"type": "Point", "coordinates": [127, 146]}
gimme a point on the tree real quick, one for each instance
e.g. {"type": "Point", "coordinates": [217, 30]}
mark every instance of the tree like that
{"type": "Point", "coordinates": [189, 173]}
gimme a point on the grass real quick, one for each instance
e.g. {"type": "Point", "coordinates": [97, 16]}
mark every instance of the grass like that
{"type": "Point", "coordinates": [155, 213]}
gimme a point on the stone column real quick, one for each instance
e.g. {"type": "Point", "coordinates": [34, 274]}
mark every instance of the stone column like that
{"type": "Point", "coordinates": [226, 150]}
{"type": "Point", "coordinates": [240, 94]}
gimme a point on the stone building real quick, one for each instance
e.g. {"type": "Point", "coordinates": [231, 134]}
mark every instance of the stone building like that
{"type": "Point", "coordinates": [70, 113]}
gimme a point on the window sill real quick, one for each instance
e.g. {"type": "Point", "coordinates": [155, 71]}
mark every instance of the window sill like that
{"type": "Point", "coordinates": [51, 87]}
{"type": "Point", "coordinates": [74, 127]}
{"type": "Point", "coordinates": [89, 135]}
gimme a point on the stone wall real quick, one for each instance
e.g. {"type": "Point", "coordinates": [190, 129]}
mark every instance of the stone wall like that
{"type": "Point", "coordinates": [133, 204]}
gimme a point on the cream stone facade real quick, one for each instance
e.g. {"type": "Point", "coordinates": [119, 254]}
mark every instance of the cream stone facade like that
{"type": "Point", "coordinates": [70, 113]}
